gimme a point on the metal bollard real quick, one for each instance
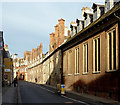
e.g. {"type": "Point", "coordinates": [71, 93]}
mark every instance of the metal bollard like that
{"type": "Point", "coordinates": [62, 89]}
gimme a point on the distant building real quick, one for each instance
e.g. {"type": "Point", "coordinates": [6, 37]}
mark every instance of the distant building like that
{"type": "Point", "coordinates": [1, 64]}
{"type": "Point", "coordinates": [8, 70]}
{"type": "Point", "coordinates": [15, 71]}
{"type": "Point", "coordinates": [1, 55]}
{"type": "Point", "coordinates": [8, 74]}
{"type": "Point", "coordinates": [21, 65]}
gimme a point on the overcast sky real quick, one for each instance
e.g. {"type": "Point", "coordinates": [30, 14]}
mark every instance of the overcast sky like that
{"type": "Point", "coordinates": [27, 24]}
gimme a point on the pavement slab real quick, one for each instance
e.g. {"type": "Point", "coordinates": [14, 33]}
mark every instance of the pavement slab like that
{"type": "Point", "coordinates": [9, 95]}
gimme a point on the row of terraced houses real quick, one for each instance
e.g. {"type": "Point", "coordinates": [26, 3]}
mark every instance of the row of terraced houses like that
{"type": "Point", "coordinates": [86, 58]}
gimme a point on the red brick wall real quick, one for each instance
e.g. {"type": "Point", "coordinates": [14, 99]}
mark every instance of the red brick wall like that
{"type": "Point", "coordinates": [101, 84]}
{"type": "Point", "coordinates": [58, 37]}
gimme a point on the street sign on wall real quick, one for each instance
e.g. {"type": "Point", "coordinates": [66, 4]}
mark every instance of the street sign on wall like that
{"type": "Point", "coordinates": [7, 70]}
{"type": "Point", "coordinates": [1, 45]}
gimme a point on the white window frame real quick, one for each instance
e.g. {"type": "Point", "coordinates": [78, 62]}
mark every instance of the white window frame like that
{"type": "Point", "coordinates": [77, 51]}
{"type": "Point", "coordinates": [85, 58]}
{"type": "Point", "coordinates": [70, 61]}
{"type": "Point", "coordinates": [109, 69]}
{"type": "Point", "coordinates": [96, 55]}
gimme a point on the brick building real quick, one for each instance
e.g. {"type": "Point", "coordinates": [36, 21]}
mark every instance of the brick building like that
{"type": "Point", "coordinates": [61, 34]}
{"type": "Point", "coordinates": [8, 70]}
{"type": "Point", "coordinates": [7, 66]}
{"type": "Point", "coordinates": [1, 55]}
{"type": "Point", "coordinates": [1, 63]}
{"type": "Point", "coordinates": [91, 56]}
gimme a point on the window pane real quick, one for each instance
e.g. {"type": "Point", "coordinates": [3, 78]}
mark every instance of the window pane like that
{"type": "Point", "coordinates": [95, 55]}
{"type": "Point", "coordinates": [84, 58]}
{"type": "Point", "coordinates": [64, 63]}
{"type": "Point", "coordinates": [78, 60]}
{"type": "Point", "coordinates": [114, 48]}
{"type": "Point", "coordinates": [70, 62]}
{"type": "Point", "coordinates": [98, 54]}
{"type": "Point", "coordinates": [110, 56]}
{"type": "Point", "coordinates": [87, 57]}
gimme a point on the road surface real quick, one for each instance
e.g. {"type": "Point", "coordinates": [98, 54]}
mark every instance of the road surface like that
{"type": "Point", "coordinates": [32, 93]}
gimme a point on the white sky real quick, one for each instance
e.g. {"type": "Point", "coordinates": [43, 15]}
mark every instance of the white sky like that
{"type": "Point", "coordinates": [52, 0]}
{"type": "Point", "coordinates": [27, 24]}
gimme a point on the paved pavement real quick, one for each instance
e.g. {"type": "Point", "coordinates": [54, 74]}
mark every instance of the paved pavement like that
{"type": "Point", "coordinates": [9, 95]}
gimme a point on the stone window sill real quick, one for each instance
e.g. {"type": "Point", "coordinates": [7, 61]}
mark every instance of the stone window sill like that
{"type": "Point", "coordinates": [77, 74]}
{"type": "Point", "coordinates": [96, 72]}
{"type": "Point", "coordinates": [85, 73]}
{"type": "Point", "coordinates": [109, 71]}
{"type": "Point", "coordinates": [69, 74]}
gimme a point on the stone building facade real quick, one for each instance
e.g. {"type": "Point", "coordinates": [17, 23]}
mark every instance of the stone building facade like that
{"type": "Point", "coordinates": [46, 67]}
{"type": "Point", "coordinates": [48, 71]}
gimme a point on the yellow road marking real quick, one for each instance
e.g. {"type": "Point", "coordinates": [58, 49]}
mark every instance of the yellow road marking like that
{"type": "Point", "coordinates": [68, 102]}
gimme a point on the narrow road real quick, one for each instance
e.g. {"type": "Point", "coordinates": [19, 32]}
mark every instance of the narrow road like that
{"type": "Point", "coordinates": [31, 93]}
{"type": "Point", "coordinates": [34, 94]}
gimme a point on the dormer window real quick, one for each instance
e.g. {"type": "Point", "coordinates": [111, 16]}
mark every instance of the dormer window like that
{"type": "Point", "coordinates": [91, 18]}
{"type": "Point", "coordinates": [102, 9]}
{"type": "Point", "coordinates": [80, 24]}
{"type": "Point", "coordinates": [109, 4]}
{"type": "Point", "coordinates": [73, 27]}
{"type": "Point", "coordinates": [95, 13]}
{"type": "Point", "coordinates": [75, 30]}
{"type": "Point", "coordinates": [71, 30]}
{"type": "Point", "coordinates": [88, 18]}
{"type": "Point", "coordinates": [98, 10]}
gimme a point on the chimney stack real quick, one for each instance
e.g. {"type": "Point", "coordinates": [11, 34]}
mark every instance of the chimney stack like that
{"type": "Point", "coordinates": [61, 22]}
